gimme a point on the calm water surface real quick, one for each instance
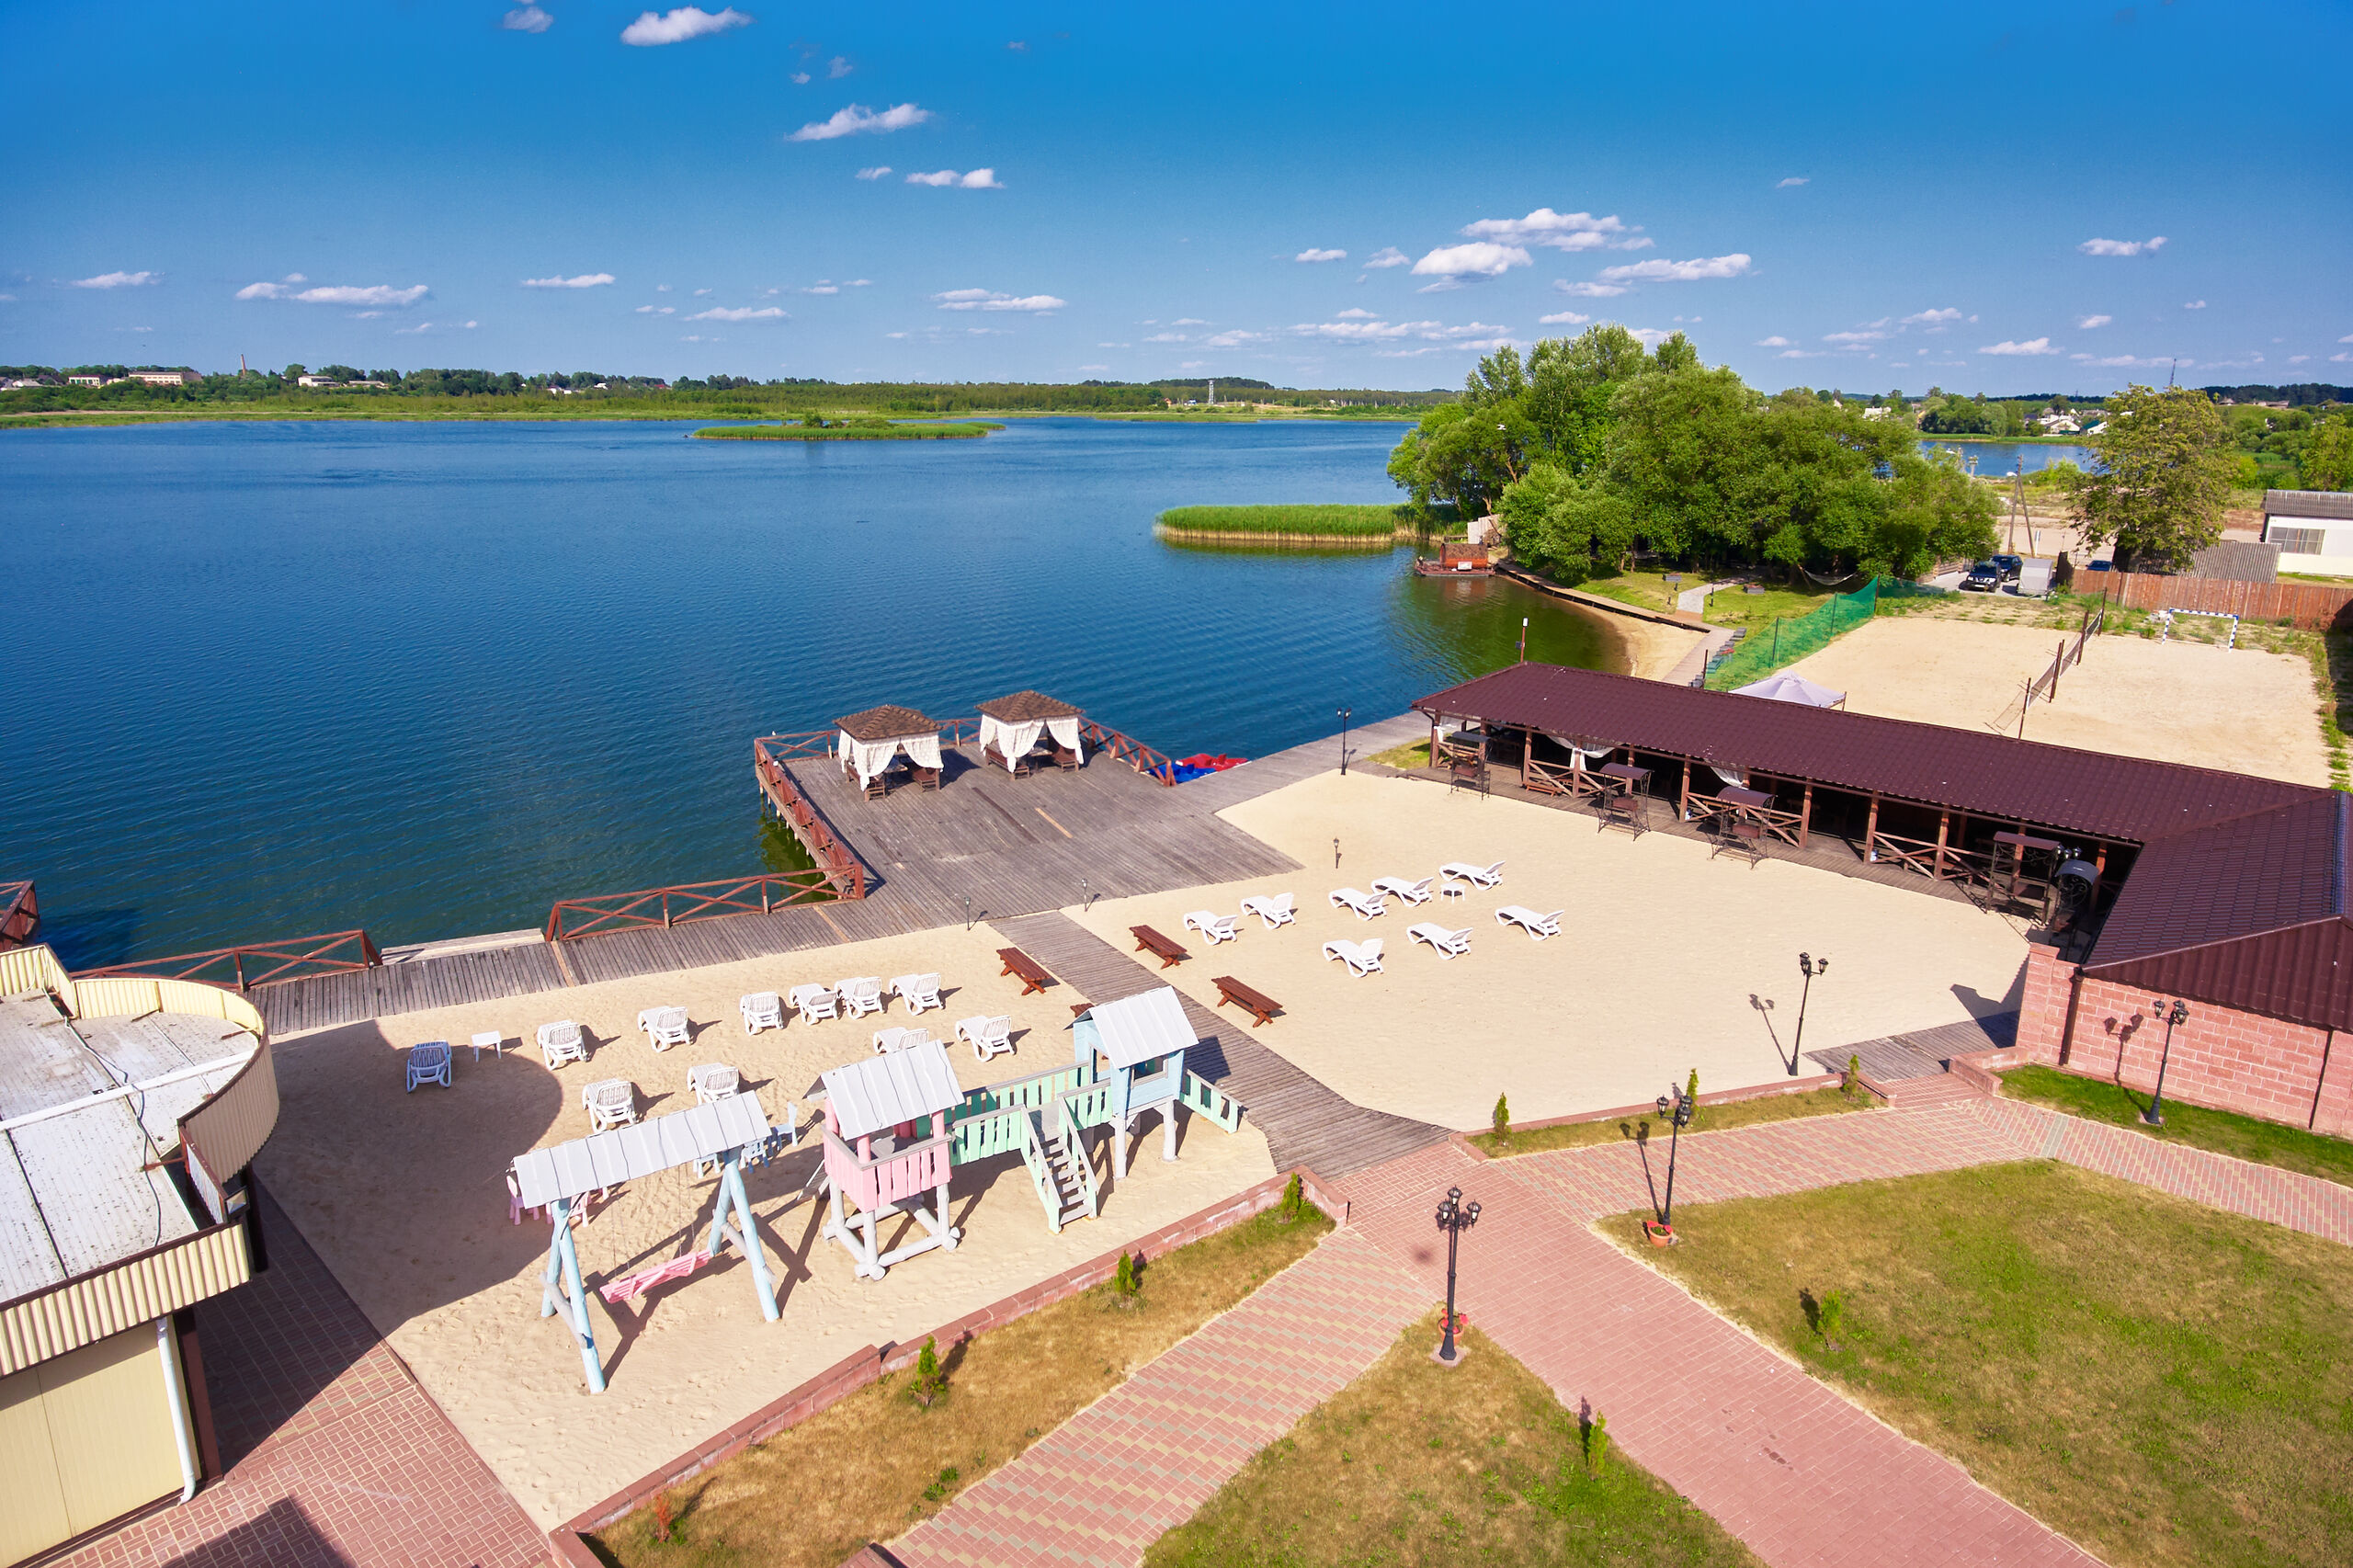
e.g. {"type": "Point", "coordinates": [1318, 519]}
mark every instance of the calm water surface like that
{"type": "Point", "coordinates": [1994, 459]}
{"type": "Point", "coordinates": [270, 679]}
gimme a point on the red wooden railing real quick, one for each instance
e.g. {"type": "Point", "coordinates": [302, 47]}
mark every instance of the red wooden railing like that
{"type": "Point", "coordinates": [1128, 749]}
{"type": "Point", "coordinates": [19, 913]}
{"type": "Point", "coordinates": [333, 953]}
{"type": "Point", "coordinates": [843, 870]}
{"type": "Point", "coordinates": [664, 907]}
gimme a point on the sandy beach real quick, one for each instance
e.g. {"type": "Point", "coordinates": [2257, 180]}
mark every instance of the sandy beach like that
{"type": "Point", "coordinates": [403, 1196]}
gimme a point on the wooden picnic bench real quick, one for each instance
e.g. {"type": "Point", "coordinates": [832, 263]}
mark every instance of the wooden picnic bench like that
{"type": "Point", "coordinates": [1165, 948]}
{"type": "Point", "coordinates": [1256, 1003]}
{"type": "Point", "coordinates": [1032, 975]}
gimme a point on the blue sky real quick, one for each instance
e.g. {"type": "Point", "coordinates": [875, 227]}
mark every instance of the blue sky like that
{"type": "Point", "coordinates": [1986, 197]}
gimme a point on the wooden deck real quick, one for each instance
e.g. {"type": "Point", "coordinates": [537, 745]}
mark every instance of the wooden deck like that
{"type": "Point", "coordinates": [1922, 1053]}
{"type": "Point", "coordinates": [1305, 1123]}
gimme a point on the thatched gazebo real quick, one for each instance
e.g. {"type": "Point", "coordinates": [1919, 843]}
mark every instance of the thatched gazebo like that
{"type": "Point", "coordinates": [1011, 727]}
{"type": "Point", "coordinates": [870, 739]}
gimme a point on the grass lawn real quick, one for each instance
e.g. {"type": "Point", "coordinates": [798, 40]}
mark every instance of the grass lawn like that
{"type": "Point", "coordinates": [1710, 1119]}
{"type": "Point", "coordinates": [875, 1463]}
{"type": "Point", "coordinates": [1728, 607]}
{"type": "Point", "coordinates": [1412, 755]}
{"type": "Point", "coordinates": [2166, 1383]}
{"type": "Point", "coordinates": [1413, 1463]}
{"type": "Point", "coordinates": [2265, 1142]}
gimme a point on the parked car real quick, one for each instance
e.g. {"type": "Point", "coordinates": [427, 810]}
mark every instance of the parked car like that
{"type": "Point", "coordinates": [1984, 578]}
{"type": "Point", "coordinates": [2099, 565]}
{"type": "Point", "coordinates": [2011, 566]}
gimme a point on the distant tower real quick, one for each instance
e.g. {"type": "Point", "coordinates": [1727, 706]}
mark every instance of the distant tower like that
{"type": "Point", "coordinates": [1212, 392]}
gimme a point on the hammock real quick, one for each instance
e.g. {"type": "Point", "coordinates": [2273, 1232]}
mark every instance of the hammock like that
{"type": "Point", "coordinates": [1831, 581]}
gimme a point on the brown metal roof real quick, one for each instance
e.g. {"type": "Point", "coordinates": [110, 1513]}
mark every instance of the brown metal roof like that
{"type": "Point", "coordinates": [2307, 503]}
{"type": "Point", "coordinates": [1028, 707]}
{"type": "Point", "coordinates": [1985, 775]}
{"type": "Point", "coordinates": [888, 722]}
{"type": "Point", "coordinates": [2248, 913]}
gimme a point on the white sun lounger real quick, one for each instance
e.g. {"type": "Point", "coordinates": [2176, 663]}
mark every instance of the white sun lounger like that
{"type": "Point", "coordinates": [1537, 925]}
{"type": "Point", "coordinates": [713, 1080]}
{"type": "Point", "coordinates": [859, 996]}
{"type": "Point", "coordinates": [1216, 928]}
{"type": "Point", "coordinates": [1450, 944]}
{"type": "Point", "coordinates": [561, 1042]}
{"type": "Point", "coordinates": [428, 1063]}
{"type": "Point", "coordinates": [813, 1002]}
{"type": "Point", "coordinates": [761, 1010]}
{"type": "Point", "coordinates": [887, 1040]}
{"type": "Point", "coordinates": [1274, 908]}
{"type": "Point", "coordinates": [1362, 957]}
{"type": "Point", "coordinates": [665, 1027]}
{"type": "Point", "coordinates": [990, 1035]}
{"type": "Point", "coordinates": [610, 1103]}
{"type": "Point", "coordinates": [1478, 877]}
{"type": "Point", "coordinates": [1365, 905]}
{"type": "Point", "coordinates": [919, 991]}
{"type": "Point", "coordinates": [1398, 887]}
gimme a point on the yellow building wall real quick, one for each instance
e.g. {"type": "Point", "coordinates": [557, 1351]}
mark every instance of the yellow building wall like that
{"type": "Point", "coordinates": [84, 1438]}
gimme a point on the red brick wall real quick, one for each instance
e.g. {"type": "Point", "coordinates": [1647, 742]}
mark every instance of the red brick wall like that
{"type": "Point", "coordinates": [2043, 1009]}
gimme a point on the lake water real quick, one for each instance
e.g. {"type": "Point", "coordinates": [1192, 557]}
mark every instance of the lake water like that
{"type": "Point", "coordinates": [270, 679]}
{"type": "Point", "coordinates": [1996, 457]}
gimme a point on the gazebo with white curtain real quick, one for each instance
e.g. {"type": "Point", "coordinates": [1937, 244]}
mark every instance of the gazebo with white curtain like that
{"type": "Point", "coordinates": [1012, 726]}
{"type": "Point", "coordinates": [868, 740]}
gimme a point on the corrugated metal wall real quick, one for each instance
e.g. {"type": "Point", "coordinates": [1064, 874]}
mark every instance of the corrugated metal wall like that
{"type": "Point", "coordinates": [227, 1131]}
{"type": "Point", "coordinates": [84, 1312]}
{"type": "Point", "coordinates": [83, 1439]}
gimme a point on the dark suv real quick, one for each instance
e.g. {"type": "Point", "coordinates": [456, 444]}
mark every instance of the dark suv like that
{"type": "Point", "coordinates": [1984, 579]}
{"type": "Point", "coordinates": [2011, 566]}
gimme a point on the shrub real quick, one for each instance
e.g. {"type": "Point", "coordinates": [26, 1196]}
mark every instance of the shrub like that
{"type": "Point", "coordinates": [1691, 1092]}
{"type": "Point", "coordinates": [1851, 1079]}
{"type": "Point", "coordinates": [1503, 1117]}
{"type": "Point", "coordinates": [1832, 1315]}
{"type": "Point", "coordinates": [663, 1525]}
{"type": "Point", "coordinates": [1294, 1201]}
{"type": "Point", "coordinates": [931, 1378]}
{"type": "Point", "coordinates": [943, 1484]}
{"type": "Point", "coordinates": [1128, 1278]}
{"type": "Point", "coordinates": [1595, 1433]}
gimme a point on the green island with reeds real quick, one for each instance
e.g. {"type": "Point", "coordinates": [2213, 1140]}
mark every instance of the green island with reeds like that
{"type": "Point", "coordinates": [846, 430]}
{"type": "Point", "coordinates": [1314, 523]}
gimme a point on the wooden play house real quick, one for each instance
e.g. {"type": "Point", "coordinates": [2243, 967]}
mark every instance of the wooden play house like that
{"type": "Point", "coordinates": [886, 1148]}
{"type": "Point", "coordinates": [1135, 1049]}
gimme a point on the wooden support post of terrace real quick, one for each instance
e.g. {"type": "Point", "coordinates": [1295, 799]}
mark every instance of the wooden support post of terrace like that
{"type": "Point", "coordinates": [1944, 829]}
{"type": "Point", "coordinates": [1870, 834]}
{"type": "Point", "coordinates": [1805, 814]}
{"type": "Point", "coordinates": [1683, 800]}
{"type": "Point", "coordinates": [1527, 750]}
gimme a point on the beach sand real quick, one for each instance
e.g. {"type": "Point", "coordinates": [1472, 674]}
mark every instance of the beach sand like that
{"type": "Point", "coordinates": [403, 1196]}
{"type": "Point", "coordinates": [1652, 648]}
{"type": "Point", "coordinates": [1651, 975]}
{"type": "Point", "coordinates": [2236, 710]}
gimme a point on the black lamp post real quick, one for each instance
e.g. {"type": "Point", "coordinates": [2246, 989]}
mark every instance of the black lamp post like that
{"type": "Point", "coordinates": [1676, 1105]}
{"type": "Point", "coordinates": [1344, 740]}
{"type": "Point", "coordinates": [1454, 1217]}
{"type": "Point", "coordinates": [2176, 1014]}
{"type": "Point", "coordinates": [1809, 967]}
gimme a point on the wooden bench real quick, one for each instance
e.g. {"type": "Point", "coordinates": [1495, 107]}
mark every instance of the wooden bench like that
{"type": "Point", "coordinates": [1743, 838]}
{"type": "Point", "coordinates": [991, 757]}
{"type": "Point", "coordinates": [1161, 948]}
{"type": "Point", "coordinates": [1017, 963]}
{"type": "Point", "coordinates": [1256, 1003]}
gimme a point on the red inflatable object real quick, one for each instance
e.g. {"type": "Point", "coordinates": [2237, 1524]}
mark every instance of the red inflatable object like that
{"type": "Point", "coordinates": [1214, 764]}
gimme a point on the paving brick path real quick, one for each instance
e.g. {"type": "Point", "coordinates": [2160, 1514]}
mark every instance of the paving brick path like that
{"type": "Point", "coordinates": [1144, 1457]}
{"type": "Point", "coordinates": [336, 1456]}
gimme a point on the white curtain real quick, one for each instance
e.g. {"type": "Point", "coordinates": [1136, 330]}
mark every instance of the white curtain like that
{"type": "Point", "coordinates": [923, 750]}
{"type": "Point", "coordinates": [870, 758]}
{"type": "Point", "coordinates": [1736, 776]}
{"type": "Point", "coordinates": [1066, 733]}
{"type": "Point", "coordinates": [1578, 756]}
{"type": "Point", "coordinates": [1013, 741]}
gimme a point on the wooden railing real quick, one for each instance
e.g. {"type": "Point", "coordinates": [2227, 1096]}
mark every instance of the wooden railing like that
{"type": "Point", "coordinates": [665, 907]}
{"type": "Point", "coordinates": [1128, 749]}
{"type": "Point", "coordinates": [1944, 863]}
{"type": "Point", "coordinates": [1783, 825]}
{"type": "Point", "coordinates": [255, 963]}
{"type": "Point", "coordinates": [19, 913]}
{"type": "Point", "coordinates": [843, 871]}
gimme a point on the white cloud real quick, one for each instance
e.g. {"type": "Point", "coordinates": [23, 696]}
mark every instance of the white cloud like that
{"type": "Point", "coordinates": [2346, 338]}
{"type": "Point", "coordinates": [1234, 339]}
{"type": "Point", "coordinates": [1168, 338]}
{"type": "Point", "coordinates": [855, 119]}
{"type": "Point", "coordinates": [2030, 347]}
{"type": "Point", "coordinates": [1564, 318]}
{"type": "Point", "coordinates": [2085, 323]}
{"type": "Point", "coordinates": [1358, 331]}
{"type": "Point", "coordinates": [678, 26]}
{"type": "Point", "coordinates": [119, 280]}
{"type": "Point", "coordinates": [1730, 266]}
{"type": "Point", "coordinates": [1354, 313]}
{"type": "Point", "coordinates": [1095, 367]}
{"type": "Point", "coordinates": [7, 298]}
{"type": "Point", "coordinates": [1794, 180]}
{"type": "Point", "coordinates": [836, 68]}
{"type": "Point", "coordinates": [1560, 231]}
{"type": "Point", "coordinates": [988, 299]}
{"type": "Point", "coordinates": [1186, 321]}
{"type": "Point", "coordinates": [860, 283]}
{"type": "Point", "coordinates": [1588, 290]}
{"type": "Point", "coordinates": [434, 326]}
{"type": "Point", "coordinates": [1650, 337]}
{"type": "Point", "coordinates": [877, 172]}
{"type": "Point", "coordinates": [801, 79]}
{"type": "Point", "coordinates": [378, 294]}
{"type": "Point", "coordinates": [741, 313]}
{"type": "Point", "coordinates": [661, 287]}
{"type": "Point", "coordinates": [1851, 339]}
{"type": "Point", "coordinates": [821, 287]}
{"type": "Point", "coordinates": [2341, 359]}
{"type": "Point", "coordinates": [700, 292]}
{"type": "Point", "coordinates": [1799, 354]}
{"type": "Point", "coordinates": [2297, 358]}
{"type": "Point", "coordinates": [1776, 341]}
{"type": "Point", "coordinates": [1321, 255]}
{"type": "Point", "coordinates": [979, 179]}
{"type": "Point", "coordinates": [1932, 318]}
{"type": "Point", "coordinates": [657, 310]}
{"type": "Point", "coordinates": [585, 280]}
{"type": "Point", "coordinates": [2113, 360]}
{"type": "Point", "coordinates": [1480, 259]}
{"type": "Point", "coordinates": [2193, 305]}
{"type": "Point", "coordinates": [1388, 256]}
{"type": "Point", "coordinates": [528, 19]}
{"type": "Point", "coordinates": [2123, 248]}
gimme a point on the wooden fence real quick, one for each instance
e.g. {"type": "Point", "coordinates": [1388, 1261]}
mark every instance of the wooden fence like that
{"type": "Point", "coordinates": [664, 907]}
{"type": "Point", "coordinates": [19, 913]}
{"type": "Point", "coordinates": [842, 871]}
{"type": "Point", "coordinates": [256, 963]}
{"type": "Point", "coordinates": [2312, 606]}
{"type": "Point", "coordinates": [2071, 654]}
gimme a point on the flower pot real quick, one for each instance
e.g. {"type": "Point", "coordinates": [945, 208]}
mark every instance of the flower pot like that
{"type": "Point", "coordinates": [1659, 1235]}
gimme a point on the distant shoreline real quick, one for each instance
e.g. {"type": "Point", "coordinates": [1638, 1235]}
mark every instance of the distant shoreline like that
{"type": "Point", "coordinates": [71, 418]}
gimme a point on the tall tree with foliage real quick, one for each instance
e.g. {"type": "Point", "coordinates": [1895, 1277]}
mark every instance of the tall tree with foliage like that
{"type": "Point", "coordinates": [2328, 460]}
{"type": "Point", "coordinates": [2166, 473]}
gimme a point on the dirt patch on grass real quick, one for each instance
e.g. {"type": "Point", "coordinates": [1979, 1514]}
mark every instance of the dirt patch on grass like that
{"type": "Point", "coordinates": [2166, 1383]}
{"type": "Point", "coordinates": [1415, 1463]}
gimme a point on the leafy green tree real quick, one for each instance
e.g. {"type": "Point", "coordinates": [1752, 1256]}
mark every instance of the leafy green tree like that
{"type": "Point", "coordinates": [2328, 458]}
{"type": "Point", "coordinates": [1569, 527]}
{"type": "Point", "coordinates": [1461, 453]}
{"type": "Point", "coordinates": [2167, 470]}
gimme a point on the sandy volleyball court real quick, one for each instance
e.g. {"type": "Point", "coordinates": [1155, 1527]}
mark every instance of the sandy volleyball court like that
{"type": "Point", "coordinates": [2236, 710]}
{"type": "Point", "coordinates": [403, 1196]}
{"type": "Point", "coordinates": [1659, 950]}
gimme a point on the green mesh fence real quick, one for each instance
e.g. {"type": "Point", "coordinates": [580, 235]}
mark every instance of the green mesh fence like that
{"type": "Point", "coordinates": [1768, 648]}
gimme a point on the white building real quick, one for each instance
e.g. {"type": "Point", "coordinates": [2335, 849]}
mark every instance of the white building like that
{"type": "Point", "coordinates": [2314, 529]}
{"type": "Point", "coordinates": [316, 381]}
{"type": "Point", "coordinates": [167, 378]}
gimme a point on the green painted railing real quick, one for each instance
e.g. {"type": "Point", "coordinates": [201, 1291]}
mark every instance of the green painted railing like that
{"type": "Point", "coordinates": [1034, 1093]}
{"type": "Point", "coordinates": [1203, 1096]}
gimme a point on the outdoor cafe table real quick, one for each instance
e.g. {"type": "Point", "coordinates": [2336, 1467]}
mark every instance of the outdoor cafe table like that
{"type": "Point", "coordinates": [1742, 799]}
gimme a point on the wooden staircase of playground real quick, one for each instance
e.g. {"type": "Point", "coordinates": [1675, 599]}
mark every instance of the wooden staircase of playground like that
{"type": "Point", "coordinates": [1069, 1191]}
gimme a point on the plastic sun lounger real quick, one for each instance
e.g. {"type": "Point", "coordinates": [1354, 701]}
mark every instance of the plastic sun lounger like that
{"type": "Point", "coordinates": [1537, 925]}
{"type": "Point", "coordinates": [919, 991]}
{"type": "Point", "coordinates": [561, 1042]}
{"type": "Point", "coordinates": [1275, 909]}
{"type": "Point", "coordinates": [761, 1010]}
{"type": "Point", "coordinates": [665, 1027]}
{"type": "Point", "coordinates": [1365, 905]}
{"type": "Point", "coordinates": [1216, 928]}
{"type": "Point", "coordinates": [989, 1036]}
{"type": "Point", "coordinates": [859, 996]}
{"type": "Point", "coordinates": [887, 1040]}
{"type": "Point", "coordinates": [1398, 887]}
{"type": "Point", "coordinates": [1450, 944]}
{"type": "Point", "coordinates": [814, 1002]}
{"type": "Point", "coordinates": [428, 1063]}
{"type": "Point", "coordinates": [609, 1102]}
{"type": "Point", "coordinates": [1478, 877]}
{"type": "Point", "coordinates": [1362, 957]}
{"type": "Point", "coordinates": [713, 1080]}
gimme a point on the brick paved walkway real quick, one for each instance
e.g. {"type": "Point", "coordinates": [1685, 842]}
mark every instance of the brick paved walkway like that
{"type": "Point", "coordinates": [336, 1456]}
{"type": "Point", "coordinates": [1144, 1457]}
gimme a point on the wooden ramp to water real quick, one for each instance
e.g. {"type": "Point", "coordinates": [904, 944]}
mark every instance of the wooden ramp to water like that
{"type": "Point", "coordinates": [1305, 1123]}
